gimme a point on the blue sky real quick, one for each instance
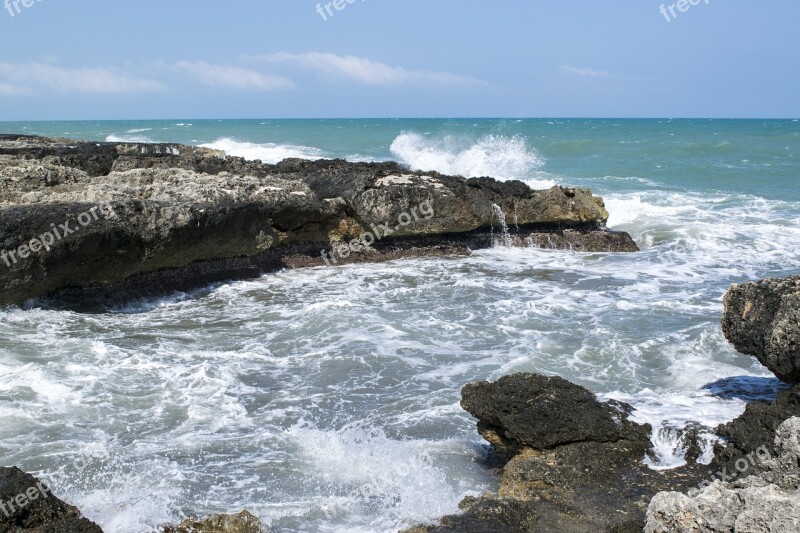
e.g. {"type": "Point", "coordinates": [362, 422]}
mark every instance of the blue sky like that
{"type": "Point", "coordinates": [93, 59]}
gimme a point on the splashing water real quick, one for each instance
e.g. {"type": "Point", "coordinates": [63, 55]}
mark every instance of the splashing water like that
{"type": "Point", "coordinates": [505, 235]}
{"type": "Point", "coordinates": [492, 155]}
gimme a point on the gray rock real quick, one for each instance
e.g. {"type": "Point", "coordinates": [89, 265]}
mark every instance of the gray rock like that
{"type": "Point", "coordinates": [763, 319]}
{"type": "Point", "coordinates": [768, 502]}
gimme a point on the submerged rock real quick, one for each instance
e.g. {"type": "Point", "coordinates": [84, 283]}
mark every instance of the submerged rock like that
{"type": "Point", "coordinates": [27, 505]}
{"type": "Point", "coordinates": [763, 319]}
{"type": "Point", "coordinates": [768, 502]}
{"type": "Point", "coordinates": [243, 522]}
{"type": "Point", "coordinates": [112, 222]}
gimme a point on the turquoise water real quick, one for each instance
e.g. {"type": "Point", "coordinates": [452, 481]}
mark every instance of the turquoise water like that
{"type": "Point", "coordinates": [327, 399]}
{"type": "Point", "coordinates": [749, 156]}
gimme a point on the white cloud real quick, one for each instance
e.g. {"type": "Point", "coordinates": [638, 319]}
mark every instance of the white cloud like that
{"type": "Point", "coordinates": [367, 71]}
{"type": "Point", "coordinates": [6, 89]}
{"type": "Point", "coordinates": [95, 80]}
{"type": "Point", "coordinates": [231, 77]}
{"type": "Point", "coordinates": [585, 72]}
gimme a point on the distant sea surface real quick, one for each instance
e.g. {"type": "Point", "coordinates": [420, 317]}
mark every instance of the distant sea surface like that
{"type": "Point", "coordinates": [327, 399]}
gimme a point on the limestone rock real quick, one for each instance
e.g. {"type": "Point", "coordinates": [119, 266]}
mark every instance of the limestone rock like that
{"type": "Point", "coordinates": [763, 319]}
{"type": "Point", "coordinates": [768, 502]}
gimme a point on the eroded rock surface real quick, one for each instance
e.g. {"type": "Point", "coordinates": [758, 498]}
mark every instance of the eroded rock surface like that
{"type": "Point", "coordinates": [768, 502]}
{"type": "Point", "coordinates": [152, 218]}
{"type": "Point", "coordinates": [574, 464]}
{"type": "Point", "coordinates": [542, 413]}
{"type": "Point", "coordinates": [27, 505]}
{"type": "Point", "coordinates": [763, 319]}
{"type": "Point", "coordinates": [244, 522]}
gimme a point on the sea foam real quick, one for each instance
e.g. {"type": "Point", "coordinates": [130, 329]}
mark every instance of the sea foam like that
{"type": "Point", "coordinates": [270, 153]}
{"type": "Point", "coordinates": [495, 156]}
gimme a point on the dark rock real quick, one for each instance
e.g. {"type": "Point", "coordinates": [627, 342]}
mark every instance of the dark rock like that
{"type": "Point", "coordinates": [181, 217]}
{"type": "Point", "coordinates": [756, 427]}
{"type": "Point", "coordinates": [763, 319]}
{"type": "Point", "coordinates": [27, 505]}
{"type": "Point", "coordinates": [576, 464]}
{"type": "Point", "coordinates": [484, 515]}
{"type": "Point", "coordinates": [539, 412]}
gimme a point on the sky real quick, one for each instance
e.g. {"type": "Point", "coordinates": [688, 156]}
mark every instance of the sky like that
{"type": "Point", "coordinates": [152, 59]}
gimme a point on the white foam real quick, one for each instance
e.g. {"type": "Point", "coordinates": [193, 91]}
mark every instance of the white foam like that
{"type": "Point", "coordinates": [128, 138]}
{"type": "Point", "coordinates": [267, 152]}
{"type": "Point", "coordinates": [495, 156]}
{"type": "Point", "coordinates": [671, 412]}
{"type": "Point", "coordinates": [360, 469]}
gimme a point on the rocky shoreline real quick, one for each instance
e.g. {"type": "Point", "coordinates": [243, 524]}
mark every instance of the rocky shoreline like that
{"type": "Point", "coordinates": [574, 464]}
{"type": "Point", "coordinates": [28, 505]}
{"type": "Point", "coordinates": [94, 224]}
{"type": "Point", "coordinates": [104, 223]}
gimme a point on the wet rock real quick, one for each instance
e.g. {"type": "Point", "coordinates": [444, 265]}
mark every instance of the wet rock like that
{"type": "Point", "coordinates": [574, 464]}
{"type": "Point", "coordinates": [27, 505]}
{"type": "Point", "coordinates": [540, 412]}
{"type": "Point", "coordinates": [243, 522]}
{"type": "Point", "coordinates": [104, 223]}
{"type": "Point", "coordinates": [768, 502]}
{"type": "Point", "coordinates": [763, 319]}
{"type": "Point", "coordinates": [756, 427]}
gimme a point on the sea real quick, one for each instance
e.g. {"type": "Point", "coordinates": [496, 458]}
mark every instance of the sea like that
{"type": "Point", "coordinates": [327, 399]}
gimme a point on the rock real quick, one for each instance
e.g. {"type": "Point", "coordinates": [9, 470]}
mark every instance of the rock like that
{"type": "Point", "coordinates": [763, 319]}
{"type": "Point", "coordinates": [768, 502]}
{"type": "Point", "coordinates": [756, 427]}
{"type": "Point", "coordinates": [542, 413]}
{"type": "Point", "coordinates": [124, 221]}
{"type": "Point", "coordinates": [243, 522]}
{"type": "Point", "coordinates": [26, 504]}
{"type": "Point", "coordinates": [574, 464]}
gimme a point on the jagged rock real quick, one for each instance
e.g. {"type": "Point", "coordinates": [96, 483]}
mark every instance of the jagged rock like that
{"type": "Point", "coordinates": [174, 217]}
{"type": "Point", "coordinates": [763, 319]}
{"type": "Point", "coordinates": [27, 505]}
{"type": "Point", "coordinates": [756, 426]}
{"type": "Point", "coordinates": [768, 502]}
{"type": "Point", "coordinates": [540, 412]}
{"type": "Point", "coordinates": [243, 522]}
{"type": "Point", "coordinates": [576, 464]}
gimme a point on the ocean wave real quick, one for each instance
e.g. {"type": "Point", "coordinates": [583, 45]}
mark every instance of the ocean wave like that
{"type": "Point", "coordinates": [128, 137]}
{"type": "Point", "coordinates": [496, 156]}
{"type": "Point", "coordinates": [270, 153]}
